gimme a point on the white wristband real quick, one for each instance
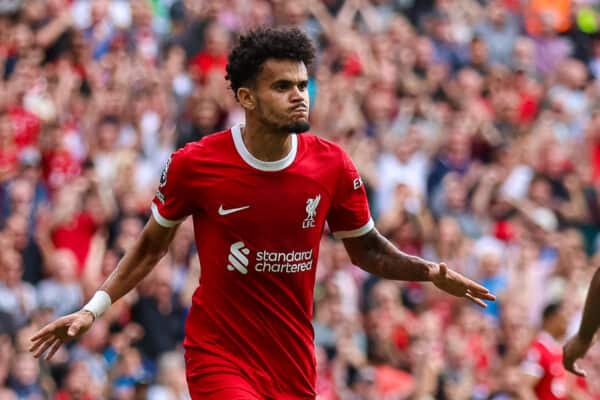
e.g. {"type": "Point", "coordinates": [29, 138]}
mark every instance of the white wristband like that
{"type": "Point", "coordinates": [99, 303]}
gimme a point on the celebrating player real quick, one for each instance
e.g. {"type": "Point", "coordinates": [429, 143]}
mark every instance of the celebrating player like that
{"type": "Point", "coordinates": [260, 195]}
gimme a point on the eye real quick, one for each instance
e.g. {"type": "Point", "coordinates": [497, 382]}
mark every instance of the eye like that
{"type": "Point", "coordinates": [282, 86]}
{"type": "Point", "coordinates": [303, 85]}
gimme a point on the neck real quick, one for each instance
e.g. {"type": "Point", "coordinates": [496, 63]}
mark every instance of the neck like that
{"type": "Point", "coordinates": [552, 334]}
{"type": "Point", "coordinates": [264, 143]}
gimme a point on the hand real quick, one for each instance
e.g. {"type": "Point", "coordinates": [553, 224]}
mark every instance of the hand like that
{"type": "Point", "coordinates": [459, 286]}
{"type": "Point", "coordinates": [491, 176]}
{"type": "Point", "coordinates": [572, 183]}
{"type": "Point", "coordinates": [53, 335]}
{"type": "Point", "coordinates": [575, 348]}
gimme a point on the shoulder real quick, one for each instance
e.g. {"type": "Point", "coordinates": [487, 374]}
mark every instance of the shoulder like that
{"type": "Point", "coordinates": [319, 143]}
{"type": "Point", "coordinates": [323, 149]}
{"type": "Point", "coordinates": [192, 158]}
{"type": "Point", "coordinates": [205, 148]}
{"type": "Point", "coordinates": [207, 143]}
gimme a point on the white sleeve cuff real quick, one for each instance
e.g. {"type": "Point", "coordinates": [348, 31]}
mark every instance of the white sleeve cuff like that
{"type": "Point", "coordinates": [162, 221]}
{"type": "Point", "coordinates": [366, 228]}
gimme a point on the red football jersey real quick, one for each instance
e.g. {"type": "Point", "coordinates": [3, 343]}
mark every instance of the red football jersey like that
{"type": "Point", "coordinates": [544, 360]}
{"type": "Point", "coordinates": [258, 226]}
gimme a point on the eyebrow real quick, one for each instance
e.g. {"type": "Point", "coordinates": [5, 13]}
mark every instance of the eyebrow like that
{"type": "Point", "coordinates": [289, 82]}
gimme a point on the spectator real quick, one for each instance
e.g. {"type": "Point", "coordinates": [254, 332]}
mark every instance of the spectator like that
{"type": "Point", "coordinates": [543, 365]}
{"type": "Point", "coordinates": [171, 379]}
{"type": "Point", "coordinates": [159, 312]}
{"type": "Point", "coordinates": [213, 59]}
{"type": "Point", "coordinates": [498, 32]}
{"type": "Point", "coordinates": [17, 225]}
{"type": "Point", "coordinates": [88, 354]}
{"type": "Point", "coordinates": [77, 384]}
{"type": "Point", "coordinates": [24, 378]}
{"type": "Point", "coordinates": [473, 124]}
{"type": "Point", "coordinates": [17, 297]}
{"type": "Point", "coordinates": [62, 291]}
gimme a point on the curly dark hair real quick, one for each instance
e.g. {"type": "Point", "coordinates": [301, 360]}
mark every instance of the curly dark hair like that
{"type": "Point", "coordinates": [257, 46]}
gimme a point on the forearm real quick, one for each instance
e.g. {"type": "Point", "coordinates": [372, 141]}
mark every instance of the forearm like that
{"type": "Point", "coordinates": [377, 255]}
{"type": "Point", "coordinates": [591, 317]}
{"type": "Point", "coordinates": [346, 15]}
{"type": "Point", "coordinates": [132, 268]}
{"type": "Point", "coordinates": [327, 22]}
{"type": "Point", "coordinates": [575, 208]}
{"type": "Point", "coordinates": [372, 20]}
{"type": "Point", "coordinates": [482, 198]}
{"type": "Point", "coordinates": [139, 260]}
{"type": "Point", "coordinates": [52, 31]}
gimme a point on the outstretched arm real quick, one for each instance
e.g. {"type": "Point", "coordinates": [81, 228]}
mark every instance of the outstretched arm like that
{"type": "Point", "coordinates": [377, 255]}
{"type": "Point", "coordinates": [149, 248]}
{"type": "Point", "coordinates": [579, 344]}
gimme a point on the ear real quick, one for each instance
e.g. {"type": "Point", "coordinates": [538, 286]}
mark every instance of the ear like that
{"type": "Point", "coordinates": [246, 98]}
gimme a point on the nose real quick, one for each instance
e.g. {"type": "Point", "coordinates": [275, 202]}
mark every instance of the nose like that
{"type": "Point", "coordinates": [296, 95]}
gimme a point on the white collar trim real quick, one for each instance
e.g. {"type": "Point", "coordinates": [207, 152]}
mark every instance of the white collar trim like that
{"type": "Point", "coordinates": [238, 141]}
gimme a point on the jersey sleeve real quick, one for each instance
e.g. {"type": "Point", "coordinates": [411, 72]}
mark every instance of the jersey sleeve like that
{"type": "Point", "coordinates": [349, 215]}
{"type": "Point", "coordinates": [171, 200]}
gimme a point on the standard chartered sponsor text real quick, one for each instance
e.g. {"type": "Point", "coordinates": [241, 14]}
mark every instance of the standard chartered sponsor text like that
{"type": "Point", "coordinates": [284, 262]}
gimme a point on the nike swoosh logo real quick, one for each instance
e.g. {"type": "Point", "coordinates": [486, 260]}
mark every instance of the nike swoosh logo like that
{"type": "Point", "coordinates": [223, 211]}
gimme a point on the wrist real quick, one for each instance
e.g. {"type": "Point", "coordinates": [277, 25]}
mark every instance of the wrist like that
{"type": "Point", "coordinates": [98, 304]}
{"type": "Point", "coordinates": [90, 313]}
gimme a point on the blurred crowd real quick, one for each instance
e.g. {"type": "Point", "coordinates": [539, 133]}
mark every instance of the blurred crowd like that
{"type": "Point", "coordinates": [476, 128]}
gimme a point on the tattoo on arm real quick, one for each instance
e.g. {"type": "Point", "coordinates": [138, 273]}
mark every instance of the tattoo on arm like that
{"type": "Point", "coordinates": [377, 255]}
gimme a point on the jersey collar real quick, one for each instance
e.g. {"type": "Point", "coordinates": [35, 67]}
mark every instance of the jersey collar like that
{"type": "Point", "coordinates": [238, 141]}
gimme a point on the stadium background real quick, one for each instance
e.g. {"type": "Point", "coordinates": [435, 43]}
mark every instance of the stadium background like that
{"type": "Point", "coordinates": [475, 126]}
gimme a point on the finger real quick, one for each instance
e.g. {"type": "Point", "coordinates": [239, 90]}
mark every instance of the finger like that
{"type": "Point", "coordinates": [443, 270]}
{"type": "Point", "coordinates": [469, 284]}
{"type": "Point", "coordinates": [45, 331]}
{"type": "Point", "coordinates": [74, 328]}
{"type": "Point", "coordinates": [36, 339]}
{"type": "Point", "coordinates": [475, 300]}
{"type": "Point", "coordinates": [42, 350]}
{"type": "Point", "coordinates": [484, 296]}
{"type": "Point", "coordinates": [476, 287]}
{"type": "Point", "coordinates": [35, 345]}
{"type": "Point", "coordinates": [51, 344]}
{"type": "Point", "coordinates": [54, 349]}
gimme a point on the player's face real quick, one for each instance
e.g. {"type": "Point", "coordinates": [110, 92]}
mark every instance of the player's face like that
{"type": "Point", "coordinates": [281, 93]}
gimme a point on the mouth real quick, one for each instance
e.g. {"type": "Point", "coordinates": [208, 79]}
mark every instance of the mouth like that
{"type": "Point", "coordinates": [300, 108]}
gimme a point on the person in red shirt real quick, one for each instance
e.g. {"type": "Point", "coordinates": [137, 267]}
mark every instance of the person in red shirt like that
{"type": "Point", "coordinates": [77, 384]}
{"type": "Point", "coordinates": [260, 195]}
{"type": "Point", "coordinates": [213, 59]}
{"type": "Point", "coordinates": [543, 364]}
{"type": "Point", "coordinates": [9, 152]}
